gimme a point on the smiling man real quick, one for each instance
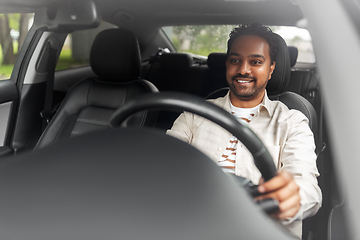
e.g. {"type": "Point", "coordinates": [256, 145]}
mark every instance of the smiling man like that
{"type": "Point", "coordinates": [248, 69]}
{"type": "Point", "coordinates": [286, 134]}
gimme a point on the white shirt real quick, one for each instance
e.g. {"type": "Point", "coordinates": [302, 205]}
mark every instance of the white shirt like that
{"type": "Point", "coordinates": [228, 159]}
{"type": "Point", "coordinates": [286, 135]}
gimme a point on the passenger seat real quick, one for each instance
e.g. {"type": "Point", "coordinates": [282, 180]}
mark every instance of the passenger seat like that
{"type": "Point", "coordinates": [171, 72]}
{"type": "Point", "coordinates": [88, 106]}
{"type": "Point", "coordinates": [215, 77]}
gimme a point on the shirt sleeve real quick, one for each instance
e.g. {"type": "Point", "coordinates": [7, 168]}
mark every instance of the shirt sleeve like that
{"type": "Point", "coordinates": [298, 157]}
{"type": "Point", "coordinates": [181, 128]}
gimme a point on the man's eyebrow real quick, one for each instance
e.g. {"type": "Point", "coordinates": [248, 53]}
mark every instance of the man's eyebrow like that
{"type": "Point", "coordinates": [257, 56]}
{"type": "Point", "coordinates": [250, 56]}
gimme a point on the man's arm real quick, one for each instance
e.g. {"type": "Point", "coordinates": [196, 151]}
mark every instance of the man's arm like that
{"type": "Point", "coordinates": [296, 186]}
{"type": "Point", "coordinates": [181, 128]}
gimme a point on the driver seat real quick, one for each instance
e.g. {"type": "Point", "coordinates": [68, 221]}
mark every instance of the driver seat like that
{"type": "Point", "coordinates": [88, 106]}
{"type": "Point", "coordinates": [277, 87]}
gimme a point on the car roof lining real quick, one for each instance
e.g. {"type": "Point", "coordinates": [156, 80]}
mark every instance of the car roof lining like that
{"type": "Point", "coordinates": [160, 13]}
{"type": "Point", "coordinates": [163, 13]}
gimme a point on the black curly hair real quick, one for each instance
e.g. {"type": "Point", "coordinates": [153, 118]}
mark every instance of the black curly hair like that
{"type": "Point", "coordinates": [254, 29]}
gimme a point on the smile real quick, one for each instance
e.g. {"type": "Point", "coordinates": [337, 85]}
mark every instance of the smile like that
{"type": "Point", "coordinates": [243, 81]}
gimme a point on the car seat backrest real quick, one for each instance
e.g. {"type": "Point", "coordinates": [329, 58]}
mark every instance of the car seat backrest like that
{"type": "Point", "coordinates": [215, 77]}
{"type": "Point", "coordinates": [278, 85]}
{"type": "Point", "coordinates": [88, 106]}
{"type": "Point", "coordinates": [171, 72]}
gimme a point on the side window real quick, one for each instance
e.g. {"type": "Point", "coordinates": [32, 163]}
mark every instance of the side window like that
{"type": "Point", "coordinates": [13, 30]}
{"type": "Point", "coordinates": [76, 50]}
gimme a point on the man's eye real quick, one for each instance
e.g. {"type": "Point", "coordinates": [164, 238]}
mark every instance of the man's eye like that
{"type": "Point", "coordinates": [234, 60]}
{"type": "Point", "coordinates": [257, 62]}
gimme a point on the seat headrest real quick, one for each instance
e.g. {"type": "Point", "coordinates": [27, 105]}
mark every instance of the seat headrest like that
{"type": "Point", "coordinates": [217, 61]}
{"type": "Point", "coordinates": [281, 75]}
{"type": "Point", "coordinates": [115, 55]}
{"type": "Point", "coordinates": [293, 52]}
{"type": "Point", "coordinates": [176, 62]}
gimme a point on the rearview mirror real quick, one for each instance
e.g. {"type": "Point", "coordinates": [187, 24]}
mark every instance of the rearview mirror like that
{"type": "Point", "coordinates": [66, 16]}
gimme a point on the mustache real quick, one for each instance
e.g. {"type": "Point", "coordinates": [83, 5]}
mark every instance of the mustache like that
{"type": "Point", "coordinates": [245, 76]}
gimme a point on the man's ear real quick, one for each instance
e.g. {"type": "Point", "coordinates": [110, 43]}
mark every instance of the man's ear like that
{"type": "Point", "coordinates": [272, 67]}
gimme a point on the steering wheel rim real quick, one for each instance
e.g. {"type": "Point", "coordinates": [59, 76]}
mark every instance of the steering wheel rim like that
{"type": "Point", "coordinates": [173, 101]}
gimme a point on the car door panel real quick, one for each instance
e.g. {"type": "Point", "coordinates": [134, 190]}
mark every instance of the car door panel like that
{"type": "Point", "coordinates": [8, 94]}
{"type": "Point", "coordinates": [8, 91]}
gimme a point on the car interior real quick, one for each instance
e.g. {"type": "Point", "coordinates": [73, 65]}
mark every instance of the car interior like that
{"type": "Point", "coordinates": [73, 163]}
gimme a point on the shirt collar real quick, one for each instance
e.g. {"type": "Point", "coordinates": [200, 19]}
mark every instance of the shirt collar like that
{"type": "Point", "coordinates": [265, 104]}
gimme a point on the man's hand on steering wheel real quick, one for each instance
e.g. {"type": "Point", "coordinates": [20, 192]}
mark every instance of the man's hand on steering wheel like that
{"type": "Point", "coordinates": [284, 189]}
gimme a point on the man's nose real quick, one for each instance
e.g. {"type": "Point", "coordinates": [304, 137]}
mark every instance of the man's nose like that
{"type": "Point", "coordinates": [244, 68]}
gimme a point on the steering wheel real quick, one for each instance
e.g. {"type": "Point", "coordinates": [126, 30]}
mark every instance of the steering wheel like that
{"type": "Point", "coordinates": [184, 102]}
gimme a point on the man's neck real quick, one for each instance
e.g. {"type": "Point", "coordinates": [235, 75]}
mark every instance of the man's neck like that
{"type": "Point", "coordinates": [235, 101]}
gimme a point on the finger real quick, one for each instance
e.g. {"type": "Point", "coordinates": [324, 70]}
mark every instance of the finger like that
{"type": "Point", "coordinates": [282, 194]}
{"type": "Point", "coordinates": [288, 208]}
{"type": "Point", "coordinates": [292, 202]}
{"type": "Point", "coordinates": [282, 179]}
{"type": "Point", "coordinates": [288, 213]}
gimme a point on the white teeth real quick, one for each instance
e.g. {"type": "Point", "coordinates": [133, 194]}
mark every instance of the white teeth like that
{"type": "Point", "coordinates": [239, 81]}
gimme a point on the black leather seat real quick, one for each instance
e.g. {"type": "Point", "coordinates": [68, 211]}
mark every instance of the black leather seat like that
{"type": "Point", "coordinates": [215, 77]}
{"type": "Point", "coordinates": [88, 106]}
{"type": "Point", "coordinates": [294, 52]}
{"type": "Point", "coordinates": [170, 72]}
{"type": "Point", "coordinates": [277, 87]}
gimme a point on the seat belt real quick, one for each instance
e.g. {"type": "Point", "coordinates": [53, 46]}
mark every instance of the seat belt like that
{"type": "Point", "coordinates": [48, 113]}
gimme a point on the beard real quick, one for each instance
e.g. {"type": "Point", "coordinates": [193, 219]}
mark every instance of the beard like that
{"type": "Point", "coordinates": [246, 93]}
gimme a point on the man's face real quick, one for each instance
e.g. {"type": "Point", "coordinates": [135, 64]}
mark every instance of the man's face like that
{"type": "Point", "coordinates": [248, 69]}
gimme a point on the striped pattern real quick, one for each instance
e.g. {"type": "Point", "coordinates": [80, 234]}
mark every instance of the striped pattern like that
{"type": "Point", "coordinates": [228, 159]}
{"type": "Point", "coordinates": [247, 120]}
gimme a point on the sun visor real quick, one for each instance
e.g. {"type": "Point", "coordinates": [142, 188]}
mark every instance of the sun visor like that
{"type": "Point", "coordinates": [67, 16]}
